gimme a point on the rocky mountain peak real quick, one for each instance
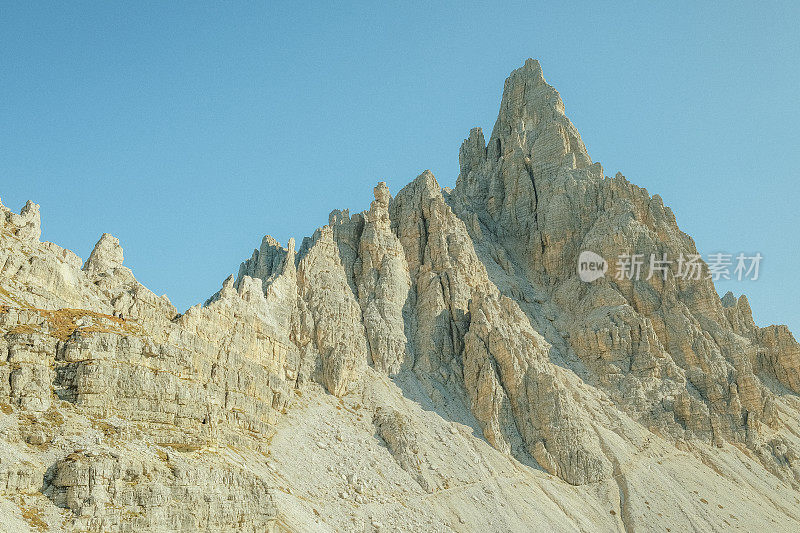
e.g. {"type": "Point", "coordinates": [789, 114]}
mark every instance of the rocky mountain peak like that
{"type": "Point", "coordinates": [436, 352]}
{"type": "Point", "coordinates": [106, 255]}
{"type": "Point", "coordinates": [532, 119]}
{"type": "Point", "coordinates": [729, 300]}
{"type": "Point", "coordinates": [26, 225]}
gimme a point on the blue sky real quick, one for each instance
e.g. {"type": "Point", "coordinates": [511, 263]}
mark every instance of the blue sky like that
{"type": "Point", "coordinates": [190, 130]}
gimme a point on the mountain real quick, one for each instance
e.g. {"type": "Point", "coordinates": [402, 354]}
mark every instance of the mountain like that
{"type": "Point", "coordinates": [434, 363]}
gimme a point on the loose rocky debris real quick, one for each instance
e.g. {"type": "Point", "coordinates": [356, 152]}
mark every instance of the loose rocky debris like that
{"type": "Point", "coordinates": [430, 364]}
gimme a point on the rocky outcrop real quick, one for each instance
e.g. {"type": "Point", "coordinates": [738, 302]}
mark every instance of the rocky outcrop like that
{"type": "Point", "coordinates": [25, 226]}
{"type": "Point", "coordinates": [440, 342]}
{"type": "Point", "coordinates": [106, 257]}
{"type": "Point", "coordinates": [111, 489]}
{"type": "Point", "coordinates": [328, 331]}
{"type": "Point", "coordinates": [518, 393]}
{"type": "Point", "coordinates": [663, 347]}
{"type": "Point", "coordinates": [383, 285]}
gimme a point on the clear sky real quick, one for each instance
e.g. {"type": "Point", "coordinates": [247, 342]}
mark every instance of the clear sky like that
{"type": "Point", "coordinates": [190, 130]}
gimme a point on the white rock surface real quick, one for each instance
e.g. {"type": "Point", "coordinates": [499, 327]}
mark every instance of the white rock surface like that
{"type": "Point", "coordinates": [431, 364]}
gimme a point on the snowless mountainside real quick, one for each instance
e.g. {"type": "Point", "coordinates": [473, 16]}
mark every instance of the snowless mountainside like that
{"type": "Point", "coordinates": [431, 364]}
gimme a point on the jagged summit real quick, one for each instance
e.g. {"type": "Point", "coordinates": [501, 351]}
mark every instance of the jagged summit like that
{"type": "Point", "coordinates": [26, 225]}
{"type": "Point", "coordinates": [436, 352]}
{"type": "Point", "coordinates": [105, 256]}
{"type": "Point", "coordinates": [532, 119]}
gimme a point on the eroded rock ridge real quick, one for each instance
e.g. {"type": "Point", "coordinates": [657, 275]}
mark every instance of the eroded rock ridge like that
{"type": "Point", "coordinates": [437, 350]}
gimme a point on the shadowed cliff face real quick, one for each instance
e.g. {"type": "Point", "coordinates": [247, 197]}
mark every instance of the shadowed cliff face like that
{"type": "Point", "coordinates": [663, 348]}
{"type": "Point", "coordinates": [525, 205]}
{"type": "Point", "coordinates": [431, 311]}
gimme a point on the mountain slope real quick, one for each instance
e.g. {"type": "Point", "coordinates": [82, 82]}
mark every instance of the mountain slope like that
{"type": "Point", "coordinates": [431, 364]}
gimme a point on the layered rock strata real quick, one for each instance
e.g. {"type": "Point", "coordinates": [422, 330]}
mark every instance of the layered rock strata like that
{"type": "Point", "coordinates": [436, 351]}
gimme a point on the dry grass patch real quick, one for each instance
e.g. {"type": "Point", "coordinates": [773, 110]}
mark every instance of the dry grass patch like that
{"type": "Point", "coordinates": [8, 296]}
{"type": "Point", "coordinates": [183, 447]}
{"type": "Point", "coordinates": [54, 417]}
{"type": "Point", "coordinates": [108, 430]}
{"type": "Point", "coordinates": [64, 322]}
{"type": "Point", "coordinates": [33, 517]}
{"type": "Point", "coordinates": [23, 329]}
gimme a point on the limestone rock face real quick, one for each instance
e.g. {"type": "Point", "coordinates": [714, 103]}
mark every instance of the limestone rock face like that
{"type": "Point", "coordinates": [446, 271]}
{"type": "Point", "coordinates": [665, 349]}
{"type": "Point", "coordinates": [383, 285]}
{"type": "Point", "coordinates": [780, 356]}
{"type": "Point", "coordinates": [435, 353]}
{"type": "Point", "coordinates": [105, 257]}
{"type": "Point", "coordinates": [106, 489]}
{"type": "Point", "coordinates": [26, 225]}
{"type": "Point", "coordinates": [508, 370]}
{"type": "Point", "coordinates": [329, 322]}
